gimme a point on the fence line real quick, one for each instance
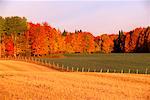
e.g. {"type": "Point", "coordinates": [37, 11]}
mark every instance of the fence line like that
{"type": "Point", "coordinates": [72, 69]}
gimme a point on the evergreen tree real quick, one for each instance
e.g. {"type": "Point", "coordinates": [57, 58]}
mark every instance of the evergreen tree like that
{"type": "Point", "coordinates": [119, 42]}
{"type": "Point", "coordinates": [64, 33]}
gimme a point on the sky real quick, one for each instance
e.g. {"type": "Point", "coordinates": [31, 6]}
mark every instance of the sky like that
{"type": "Point", "coordinates": [95, 16]}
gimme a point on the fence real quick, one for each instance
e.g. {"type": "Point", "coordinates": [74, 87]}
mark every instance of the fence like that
{"type": "Point", "coordinates": [72, 69]}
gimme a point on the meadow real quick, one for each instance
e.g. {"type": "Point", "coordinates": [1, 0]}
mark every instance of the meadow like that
{"type": "Point", "coordinates": [22, 77]}
{"type": "Point", "coordinates": [114, 62]}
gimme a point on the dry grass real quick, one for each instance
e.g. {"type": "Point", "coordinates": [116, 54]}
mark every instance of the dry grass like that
{"type": "Point", "coordinates": [20, 80]}
{"type": "Point", "coordinates": [9, 65]}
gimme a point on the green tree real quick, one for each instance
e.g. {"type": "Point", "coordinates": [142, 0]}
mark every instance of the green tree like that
{"type": "Point", "coordinates": [119, 42]}
{"type": "Point", "coordinates": [15, 25]}
{"type": "Point", "coordinates": [2, 30]}
{"type": "Point", "coordinates": [64, 33]}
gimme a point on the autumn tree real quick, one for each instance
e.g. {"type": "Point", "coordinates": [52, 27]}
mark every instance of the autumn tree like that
{"type": "Point", "coordinates": [137, 40]}
{"type": "Point", "coordinates": [9, 46]}
{"type": "Point", "coordinates": [14, 26]}
{"type": "Point", "coordinates": [106, 42]}
{"type": "Point", "coordinates": [38, 38]}
{"type": "Point", "coordinates": [87, 42]}
{"type": "Point", "coordinates": [23, 38]}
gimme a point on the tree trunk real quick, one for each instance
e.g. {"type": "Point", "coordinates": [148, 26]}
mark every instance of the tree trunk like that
{"type": "Point", "coordinates": [15, 46]}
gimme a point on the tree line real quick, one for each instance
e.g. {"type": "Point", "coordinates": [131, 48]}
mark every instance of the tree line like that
{"type": "Point", "coordinates": [19, 37]}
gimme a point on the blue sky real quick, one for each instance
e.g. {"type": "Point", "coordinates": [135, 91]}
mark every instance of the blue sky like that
{"type": "Point", "coordinates": [98, 17]}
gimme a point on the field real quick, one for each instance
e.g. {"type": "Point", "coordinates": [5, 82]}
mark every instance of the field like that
{"type": "Point", "coordinates": [114, 62]}
{"type": "Point", "coordinates": [26, 81]}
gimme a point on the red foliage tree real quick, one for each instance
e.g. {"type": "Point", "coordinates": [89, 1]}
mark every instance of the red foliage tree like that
{"type": "Point", "coordinates": [9, 46]}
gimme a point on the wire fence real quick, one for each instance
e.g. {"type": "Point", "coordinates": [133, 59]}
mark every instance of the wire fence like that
{"type": "Point", "coordinates": [64, 68]}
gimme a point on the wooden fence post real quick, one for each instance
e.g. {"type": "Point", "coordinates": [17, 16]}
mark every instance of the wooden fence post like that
{"type": "Point", "coordinates": [53, 64]}
{"type": "Point", "coordinates": [49, 63]}
{"type": "Point", "coordinates": [32, 60]}
{"type": "Point", "coordinates": [137, 71]}
{"type": "Point", "coordinates": [122, 71]}
{"type": "Point", "coordinates": [88, 69]}
{"type": "Point", "coordinates": [29, 59]}
{"type": "Point", "coordinates": [57, 65]}
{"type": "Point", "coordinates": [114, 71]}
{"type": "Point", "coordinates": [37, 60]}
{"type": "Point", "coordinates": [129, 71]}
{"type": "Point", "coordinates": [107, 70]}
{"type": "Point", "coordinates": [72, 69]}
{"type": "Point", "coordinates": [40, 60]}
{"type": "Point", "coordinates": [146, 71]}
{"type": "Point", "coordinates": [25, 59]}
{"type": "Point", "coordinates": [82, 69]}
{"type": "Point", "coordinates": [77, 69]}
{"type": "Point", "coordinates": [101, 70]}
{"type": "Point", "coordinates": [62, 67]}
{"type": "Point", "coordinates": [67, 68]}
{"type": "Point", "coordinates": [43, 61]}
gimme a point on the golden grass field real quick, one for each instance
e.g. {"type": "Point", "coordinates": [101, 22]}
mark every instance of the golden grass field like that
{"type": "Point", "coordinates": [26, 81]}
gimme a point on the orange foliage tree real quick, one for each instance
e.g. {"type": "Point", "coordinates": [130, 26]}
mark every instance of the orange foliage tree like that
{"type": "Point", "coordinates": [42, 39]}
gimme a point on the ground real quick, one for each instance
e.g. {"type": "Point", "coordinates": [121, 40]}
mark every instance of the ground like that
{"type": "Point", "coordinates": [26, 81]}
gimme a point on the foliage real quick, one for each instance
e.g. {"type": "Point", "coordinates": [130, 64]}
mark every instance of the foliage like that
{"type": "Point", "coordinates": [42, 39]}
{"type": "Point", "coordinates": [13, 26]}
{"type": "Point", "coordinates": [2, 22]}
